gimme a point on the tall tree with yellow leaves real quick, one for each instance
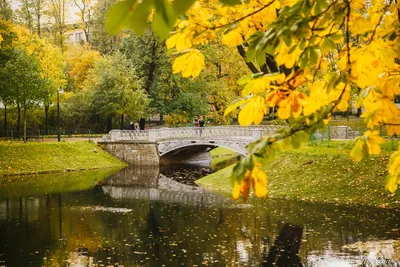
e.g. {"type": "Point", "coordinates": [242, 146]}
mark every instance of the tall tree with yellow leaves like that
{"type": "Point", "coordinates": [288, 45]}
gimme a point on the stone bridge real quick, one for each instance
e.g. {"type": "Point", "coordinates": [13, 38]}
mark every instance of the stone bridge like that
{"type": "Point", "coordinates": [173, 145]}
{"type": "Point", "coordinates": [176, 145]}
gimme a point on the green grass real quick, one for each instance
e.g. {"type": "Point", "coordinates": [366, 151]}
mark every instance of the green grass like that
{"type": "Point", "coordinates": [323, 174]}
{"type": "Point", "coordinates": [20, 158]}
{"type": "Point", "coordinates": [222, 151]}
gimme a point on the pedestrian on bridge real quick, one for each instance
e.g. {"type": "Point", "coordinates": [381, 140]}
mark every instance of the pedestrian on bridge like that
{"type": "Point", "coordinates": [201, 124]}
{"type": "Point", "coordinates": [195, 121]}
{"type": "Point", "coordinates": [130, 126]}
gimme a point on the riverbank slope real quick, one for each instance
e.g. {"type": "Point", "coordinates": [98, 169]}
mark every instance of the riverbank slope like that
{"type": "Point", "coordinates": [19, 158]}
{"type": "Point", "coordinates": [320, 174]}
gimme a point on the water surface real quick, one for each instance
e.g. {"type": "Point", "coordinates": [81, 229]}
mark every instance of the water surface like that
{"type": "Point", "coordinates": [139, 217]}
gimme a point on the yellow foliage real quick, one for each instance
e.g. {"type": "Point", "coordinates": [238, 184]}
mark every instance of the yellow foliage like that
{"type": "Point", "coordinates": [190, 64]}
{"type": "Point", "coordinates": [232, 38]}
{"type": "Point", "coordinates": [366, 145]}
{"type": "Point", "coordinates": [323, 59]}
{"type": "Point", "coordinates": [257, 178]}
{"type": "Point", "coordinates": [283, 57]}
{"type": "Point", "coordinates": [180, 41]}
{"type": "Point", "coordinates": [393, 180]}
{"type": "Point", "coordinates": [252, 111]}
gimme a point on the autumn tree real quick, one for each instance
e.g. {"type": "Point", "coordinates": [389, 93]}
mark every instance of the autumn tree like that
{"type": "Point", "coordinates": [224, 67]}
{"type": "Point", "coordinates": [51, 61]}
{"type": "Point", "coordinates": [79, 60]}
{"type": "Point", "coordinates": [289, 45]}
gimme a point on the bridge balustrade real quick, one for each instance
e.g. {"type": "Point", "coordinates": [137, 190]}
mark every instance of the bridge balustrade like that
{"type": "Point", "coordinates": [253, 132]}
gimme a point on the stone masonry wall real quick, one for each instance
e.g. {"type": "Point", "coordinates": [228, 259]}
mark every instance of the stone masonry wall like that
{"type": "Point", "coordinates": [138, 153]}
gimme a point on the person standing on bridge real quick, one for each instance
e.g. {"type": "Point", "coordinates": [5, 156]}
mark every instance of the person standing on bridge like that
{"type": "Point", "coordinates": [195, 121]}
{"type": "Point", "coordinates": [136, 127]}
{"type": "Point", "coordinates": [201, 124]}
{"type": "Point", "coordinates": [130, 126]}
{"type": "Point", "coordinates": [195, 124]}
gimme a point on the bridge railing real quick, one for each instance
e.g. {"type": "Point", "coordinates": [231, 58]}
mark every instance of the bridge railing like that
{"type": "Point", "coordinates": [128, 135]}
{"type": "Point", "coordinates": [253, 133]}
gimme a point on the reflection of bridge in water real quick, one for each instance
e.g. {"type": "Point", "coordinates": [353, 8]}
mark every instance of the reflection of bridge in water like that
{"type": "Point", "coordinates": [148, 184]}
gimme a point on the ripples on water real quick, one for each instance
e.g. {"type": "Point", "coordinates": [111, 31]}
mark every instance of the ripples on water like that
{"type": "Point", "coordinates": [138, 217]}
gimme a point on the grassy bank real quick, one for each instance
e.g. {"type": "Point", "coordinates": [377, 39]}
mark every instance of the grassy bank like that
{"type": "Point", "coordinates": [320, 174]}
{"type": "Point", "coordinates": [19, 158]}
{"type": "Point", "coordinates": [222, 155]}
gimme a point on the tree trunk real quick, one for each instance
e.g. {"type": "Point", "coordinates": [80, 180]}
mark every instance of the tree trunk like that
{"type": "Point", "coordinates": [109, 123]}
{"type": "Point", "coordinates": [161, 117]}
{"type": "Point", "coordinates": [122, 122]}
{"type": "Point", "coordinates": [46, 112]}
{"type": "Point", "coordinates": [24, 124]}
{"type": "Point", "coordinates": [38, 25]}
{"type": "Point", "coordinates": [152, 68]}
{"type": "Point", "coordinates": [18, 119]}
{"type": "Point", "coordinates": [5, 120]}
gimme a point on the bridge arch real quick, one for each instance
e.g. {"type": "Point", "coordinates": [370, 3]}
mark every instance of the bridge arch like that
{"type": "Point", "coordinates": [177, 146]}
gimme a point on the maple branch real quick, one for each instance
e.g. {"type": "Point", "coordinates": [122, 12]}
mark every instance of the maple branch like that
{"type": "Point", "coordinates": [380, 20]}
{"type": "Point", "coordinates": [348, 36]}
{"type": "Point", "coordinates": [249, 64]}
{"type": "Point", "coordinates": [239, 19]}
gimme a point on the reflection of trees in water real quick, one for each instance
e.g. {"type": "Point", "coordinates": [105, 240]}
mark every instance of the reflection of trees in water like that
{"type": "Point", "coordinates": [285, 250]}
{"type": "Point", "coordinates": [175, 233]}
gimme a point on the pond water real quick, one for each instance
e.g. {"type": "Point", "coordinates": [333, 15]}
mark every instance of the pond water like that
{"type": "Point", "coordinates": [139, 217]}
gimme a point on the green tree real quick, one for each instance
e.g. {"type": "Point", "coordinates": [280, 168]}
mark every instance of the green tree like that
{"type": "Point", "coordinates": [117, 91]}
{"type": "Point", "coordinates": [149, 54]}
{"type": "Point", "coordinates": [5, 10]}
{"type": "Point", "coordinates": [7, 36]}
{"type": "Point", "coordinates": [24, 15]}
{"type": "Point", "coordinates": [100, 39]}
{"type": "Point", "coordinates": [25, 81]}
{"type": "Point", "coordinates": [223, 68]}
